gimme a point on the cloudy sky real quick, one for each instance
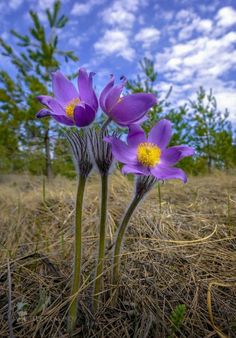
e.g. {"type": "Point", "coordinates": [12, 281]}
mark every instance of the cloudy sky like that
{"type": "Point", "coordinates": [192, 42]}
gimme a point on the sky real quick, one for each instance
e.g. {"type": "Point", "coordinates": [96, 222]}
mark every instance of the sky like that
{"type": "Point", "coordinates": [192, 42]}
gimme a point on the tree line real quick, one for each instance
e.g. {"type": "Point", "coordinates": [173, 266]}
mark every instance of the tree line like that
{"type": "Point", "coordinates": [38, 146]}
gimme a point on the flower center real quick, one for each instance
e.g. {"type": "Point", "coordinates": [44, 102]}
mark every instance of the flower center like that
{"type": "Point", "coordinates": [70, 108]}
{"type": "Point", "coordinates": [148, 154]}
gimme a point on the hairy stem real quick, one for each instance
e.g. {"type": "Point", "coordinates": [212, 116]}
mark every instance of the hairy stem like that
{"type": "Point", "coordinates": [105, 124]}
{"type": "Point", "coordinates": [102, 236]}
{"type": "Point", "coordinates": [77, 254]}
{"type": "Point", "coordinates": [120, 236]}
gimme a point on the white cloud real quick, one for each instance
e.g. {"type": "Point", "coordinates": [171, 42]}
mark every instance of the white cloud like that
{"type": "Point", "coordinates": [196, 25]}
{"type": "Point", "coordinates": [204, 25]}
{"type": "Point", "coordinates": [201, 56]}
{"type": "Point", "coordinates": [226, 17]}
{"type": "Point", "coordinates": [115, 42]}
{"type": "Point", "coordinates": [85, 8]}
{"type": "Point", "coordinates": [43, 4]}
{"type": "Point", "coordinates": [182, 49]}
{"type": "Point", "coordinates": [167, 15]}
{"type": "Point", "coordinates": [5, 35]}
{"type": "Point", "coordinates": [40, 6]}
{"type": "Point", "coordinates": [14, 4]}
{"type": "Point", "coordinates": [147, 36]}
{"type": "Point", "coordinates": [118, 16]}
{"type": "Point", "coordinates": [226, 98]}
{"type": "Point", "coordinates": [122, 13]}
{"type": "Point", "coordinates": [186, 23]}
{"type": "Point", "coordinates": [186, 32]}
{"type": "Point", "coordinates": [74, 41]}
{"type": "Point", "coordinates": [184, 14]}
{"type": "Point", "coordinates": [203, 59]}
{"type": "Point", "coordinates": [132, 5]}
{"type": "Point", "coordinates": [81, 9]}
{"type": "Point", "coordinates": [209, 7]}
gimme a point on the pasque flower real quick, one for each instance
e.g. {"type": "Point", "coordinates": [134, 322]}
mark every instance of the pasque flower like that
{"type": "Point", "coordinates": [124, 110]}
{"type": "Point", "coordinates": [69, 106]}
{"type": "Point", "coordinates": [150, 159]}
{"type": "Point", "coordinates": [143, 155]}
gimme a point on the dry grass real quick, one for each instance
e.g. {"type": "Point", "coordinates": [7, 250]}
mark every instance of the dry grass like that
{"type": "Point", "coordinates": [173, 257]}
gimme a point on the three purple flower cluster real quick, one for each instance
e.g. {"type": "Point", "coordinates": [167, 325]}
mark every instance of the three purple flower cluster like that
{"type": "Point", "coordinates": [141, 155]}
{"type": "Point", "coordinates": [148, 157]}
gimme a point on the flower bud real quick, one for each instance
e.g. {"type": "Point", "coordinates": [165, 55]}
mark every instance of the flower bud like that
{"type": "Point", "coordinates": [101, 151]}
{"type": "Point", "coordinates": [79, 145]}
{"type": "Point", "coordinates": [143, 185]}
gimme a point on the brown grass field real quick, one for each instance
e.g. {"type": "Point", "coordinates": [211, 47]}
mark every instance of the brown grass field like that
{"type": "Point", "coordinates": [184, 253]}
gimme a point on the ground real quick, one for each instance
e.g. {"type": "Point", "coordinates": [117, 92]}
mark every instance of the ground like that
{"type": "Point", "coordinates": [179, 259]}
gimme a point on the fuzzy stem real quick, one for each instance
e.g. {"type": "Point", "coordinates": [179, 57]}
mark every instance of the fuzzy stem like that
{"type": "Point", "coordinates": [77, 254]}
{"type": "Point", "coordinates": [102, 236]}
{"type": "Point", "coordinates": [120, 235]}
{"type": "Point", "coordinates": [105, 124]}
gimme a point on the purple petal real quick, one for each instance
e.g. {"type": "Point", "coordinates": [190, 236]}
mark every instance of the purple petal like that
{"type": "Point", "coordinates": [83, 115]}
{"type": "Point", "coordinates": [174, 154]}
{"type": "Point", "coordinates": [59, 118]}
{"type": "Point", "coordinates": [136, 135]}
{"type": "Point", "coordinates": [113, 96]}
{"type": "Point", "coordinates": [160, 134]}
{"type": "Point", "coordinates": [63, 119]}
{"type": "Point", "coordinates": [136, 169]}
{"type": "Point", "coordinates": [132, 108]}
{"type": "Point", "coordinates": [162, 172]}
{"type": "Point", "coordinates": [121, 151]}
{"type": "Point", "coordinates": [63, 89]}
{"type": "Point", "coordinates": [52, 104]}
{"type": "Point", "coordinates": [86, 92]}
{"type": "Point", "coordinates": [104, 93]}
{"type": "Point", "coordinates": [43, 113]}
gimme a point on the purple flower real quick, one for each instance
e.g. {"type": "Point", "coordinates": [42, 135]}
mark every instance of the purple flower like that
{"type": "Point", "coordinates": [69, 106]}
{"type": "Point", "coordinates": [150, 156]}
{"type": "Point", "coordinates": [128, 109]}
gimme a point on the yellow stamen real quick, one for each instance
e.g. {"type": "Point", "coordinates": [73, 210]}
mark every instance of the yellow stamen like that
{"type": "Point", "coordinates": [148, 154]}
{"type": "Point", "coordinates": [70, 108]}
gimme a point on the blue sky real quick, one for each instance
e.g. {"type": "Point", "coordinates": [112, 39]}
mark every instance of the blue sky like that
{"type": "Point", "coordinates": [192, 42]}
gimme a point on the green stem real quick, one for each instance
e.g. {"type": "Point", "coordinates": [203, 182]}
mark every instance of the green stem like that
{"type": "Point", "coordinates": [77, 254]}
{"type": "Point", "coordinates": [105, 124]}
{"type": "Point", "coordinates": [102, 236]}
{"type": "Point", "coordinates": [119, 239]}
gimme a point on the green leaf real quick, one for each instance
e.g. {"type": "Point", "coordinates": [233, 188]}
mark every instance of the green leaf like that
{"type": "Point", "coordinates": [62, 21]}
{"type": "Point", "coordinates": [35, 19]}
{"type": "Point", "coordinates": [56, 9]}
{"type": "Point", "coordinates": [50, 19]}
{"type": "Point", "coordinates": [6, 47]}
